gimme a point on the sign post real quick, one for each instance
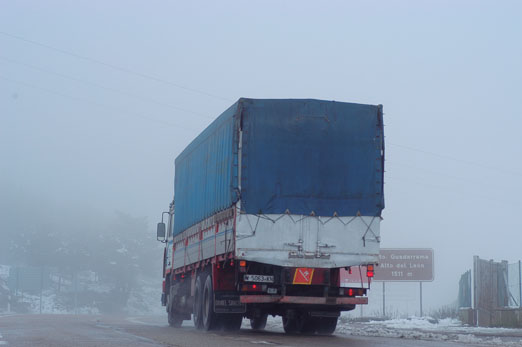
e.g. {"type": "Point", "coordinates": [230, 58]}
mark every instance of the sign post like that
{"type": "Point", "coordinates": [384, 299]}
{"type": "Point", "coordinates": [420, 285]}
{"type": "Point", "coordinates": [519, 284]}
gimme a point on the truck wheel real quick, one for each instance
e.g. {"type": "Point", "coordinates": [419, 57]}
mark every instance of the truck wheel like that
{"type": "Point", "coordinates": [259, 323]}
{"type": "Point", "coordinates": [292, 325]}
{"type": "Point", "coordinates": [308, 325]}
{"type": "Point", "coordinates": [196, 308]}
{"type": "Point", "coordinates": [326, 325]}
{"type": "Point", "coordinates": [208, 317]}
{"type": "Point", "coordinates": [174, 319]}
{"type": "Point", "coordinates": [232, 322]}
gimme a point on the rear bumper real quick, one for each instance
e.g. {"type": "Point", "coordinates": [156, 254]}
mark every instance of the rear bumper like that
{"type": "Point", "coordinates": [311, 300]}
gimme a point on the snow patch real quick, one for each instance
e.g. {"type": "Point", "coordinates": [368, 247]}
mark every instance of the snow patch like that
{"type": "Point", "coordinates": [419, 323]}
{"type": "Point", "coordinates": [4, 271]}
{"type": "Point", "coordinates": [122, 250]}
{"type": "Point", "coordinates": [426, 328]}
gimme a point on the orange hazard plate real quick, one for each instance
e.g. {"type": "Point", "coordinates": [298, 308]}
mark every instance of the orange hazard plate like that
{"type": "Point", "coordinates": [303, 275]}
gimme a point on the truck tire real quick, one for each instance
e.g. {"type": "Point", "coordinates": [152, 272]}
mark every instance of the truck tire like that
{"type": "Point", "coordinates": [259, 323]}
{"type": "Point", "coordinates": [308, 325]}
{"type": "Point", "coordinates": [326, 325]}
{"type": "Point", "coordinates": [232, 322]}
{"type": "Point", "coordinates": [292, 325]}
{"type": "Point", "coordinates": [208, 317]}
{"type": "Point", "coordinates": [174, 319]}
{"type": "Point", "coordinates": [196, 308]}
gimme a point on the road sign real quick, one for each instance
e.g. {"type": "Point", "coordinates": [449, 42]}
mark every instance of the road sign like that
{"type": "Point", "coordinates": [405, 265]}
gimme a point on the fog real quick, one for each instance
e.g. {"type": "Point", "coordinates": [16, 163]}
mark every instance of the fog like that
{"type": "Point", "coordinates": [98, 98]}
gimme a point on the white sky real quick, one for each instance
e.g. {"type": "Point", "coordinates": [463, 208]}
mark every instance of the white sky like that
{"type": "Point", "coordinates": [449, 74]}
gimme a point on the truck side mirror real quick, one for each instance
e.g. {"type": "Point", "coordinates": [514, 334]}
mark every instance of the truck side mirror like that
{"type": "Point", "coordinates": [160, 232]}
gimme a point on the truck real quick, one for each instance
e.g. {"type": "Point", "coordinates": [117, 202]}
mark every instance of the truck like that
{"type": "Point", "coordinates": [272, 202]}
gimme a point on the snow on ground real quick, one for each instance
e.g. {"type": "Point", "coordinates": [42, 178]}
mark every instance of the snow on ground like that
{"type": "Point", "coordinates": [417, 328]}
{"type": "Point", "coordinates": [427, 328]}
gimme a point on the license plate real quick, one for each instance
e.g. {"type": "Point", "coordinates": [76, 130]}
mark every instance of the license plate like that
{"type": "Point", "coordinates": [258, 278]}
{"type": "Point", "coordinates": [272, 291]}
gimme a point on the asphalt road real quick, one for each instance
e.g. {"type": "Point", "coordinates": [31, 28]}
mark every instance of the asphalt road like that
{"type": "Point", "coordinates": [85, 330]}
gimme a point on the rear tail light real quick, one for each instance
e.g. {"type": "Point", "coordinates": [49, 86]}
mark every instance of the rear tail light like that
{"type": "Point", "coordinates": [352, 291]}
{"type": "Point", "coordinates": [369, 271]}
{"type": "Point", "coordinates": [346, 291]}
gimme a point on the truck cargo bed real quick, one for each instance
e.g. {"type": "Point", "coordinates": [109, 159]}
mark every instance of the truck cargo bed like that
{"type": "Point", "coordinates": [285, 182]}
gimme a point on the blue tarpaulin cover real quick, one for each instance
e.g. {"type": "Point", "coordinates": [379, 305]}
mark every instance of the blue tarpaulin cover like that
{"type": "Point", "coordinates": [300, 156]}
{"type": "Point", "coordinates": [205, 179]}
